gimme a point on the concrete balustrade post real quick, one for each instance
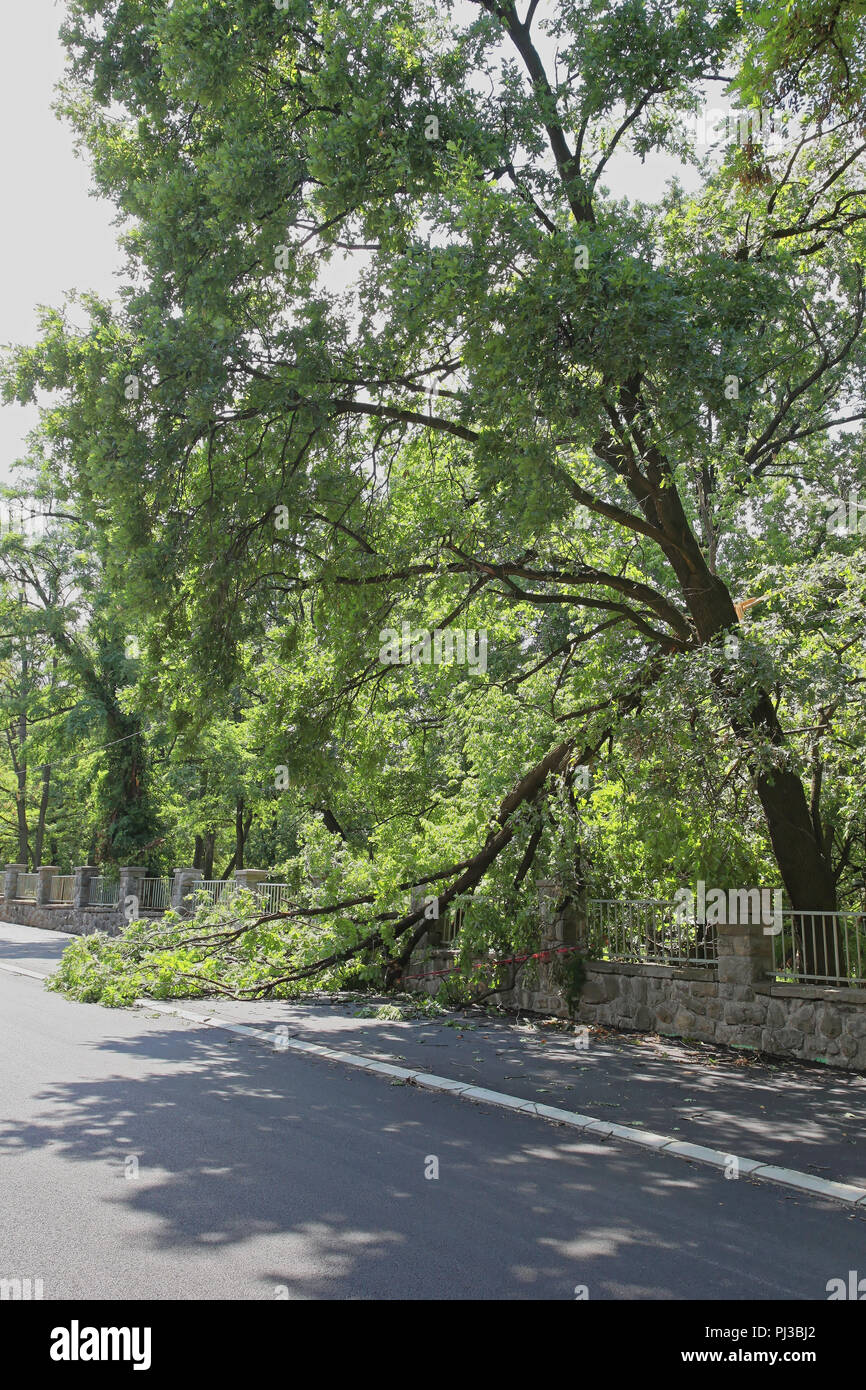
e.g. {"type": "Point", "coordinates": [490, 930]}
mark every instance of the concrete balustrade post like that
{"type": "Point", "coordinates": [563, 927]}
{"type": "Point", "coordinates": [130, 887]}
{"type": "Point", "coordinates": [248, 878]}
{"type": "Point", "coordinates": [745, 953]}
{"type": "Point", "coordinates": [183, 885]}
{"type": "Point", "coordinates": [10, 880]}
{"type": "Point", "coordinates": [43, 887]}
{"type": "Point", "coordinates": [81, 885]}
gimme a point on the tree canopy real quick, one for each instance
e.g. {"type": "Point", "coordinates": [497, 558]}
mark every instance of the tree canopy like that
{"type": "Point", "coordinates": [389, 351]}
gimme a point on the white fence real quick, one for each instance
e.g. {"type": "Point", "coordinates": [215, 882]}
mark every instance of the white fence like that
{"type": "Point", "coordinates": [216, 888]}
{"type": "Point", "coordinates": [274, 897]}
{"type": "Point", "coordinates": [644, 930]}
{"type": "Point", "coordinates": [154, 894]}
{"type": "Point", "coordinates": [26, 886]}
{"type": "Point", "coordinates": [61, 888]}
{"type": "Point", "coordinates": [821, 948]}
{"type": "Point", "coordinates": [103, 892]}
{"type": "Point", "coordinates": [647, 930]}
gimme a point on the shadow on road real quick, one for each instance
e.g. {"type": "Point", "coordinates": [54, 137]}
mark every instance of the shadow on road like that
{"type": "Point", "coordinates": [234, 1143]}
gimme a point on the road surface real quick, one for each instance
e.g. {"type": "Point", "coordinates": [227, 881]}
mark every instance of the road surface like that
{"type": "Point", "coordinates": [145, 1157]}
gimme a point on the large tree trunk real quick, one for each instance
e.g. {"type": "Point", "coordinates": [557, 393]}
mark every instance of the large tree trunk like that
{"type": "Point", "coordinates": [801, 856]}
{"type": "Point", "coordinates": [242, 830]}
{"type": "Point", "coordinates": [240, 833]}
{"type": "Point", "coordinates": [23, 841]}
{"type": "Point", "coordinates": [129, 822]}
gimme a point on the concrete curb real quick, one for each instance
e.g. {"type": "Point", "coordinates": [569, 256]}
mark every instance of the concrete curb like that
{"type": "Point", "coordinates": [19, 970]}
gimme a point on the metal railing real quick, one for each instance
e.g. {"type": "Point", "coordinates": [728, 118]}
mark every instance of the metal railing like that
{"type": "Point", "coordinates": [648, 931]}
{"type": "Point", "coordinates": [103, 892]}
{"type": "Point", "coordinates": [274, 897]}
{"type": "Point", "coordinates": [451, 922]}
{"type": "Point", "coordinates": [60, 889]}
{"type": "Point", "coordinates": [215, 888]}
{"type": "Point", "coordinates": [450, 927]}
{"type": "Point", "coordinates": [154, 894]}
{"type": "Point", "coordinates": [444, 926]}
{"type": "Point", "coordinates": [26, 886]}
{"type": "Point", "coordinates": [820, 948]}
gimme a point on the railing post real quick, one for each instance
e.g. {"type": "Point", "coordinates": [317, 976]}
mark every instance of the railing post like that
{"type": "Point", "coordinates": [10, 880]}
{"type": "Point", "coordinates": [43, 887]}
{"type": "Point", "coordinates": [130, 881]}
{"type": "Point", "coordinates": [81, 885]}
{"type": "Point", "coordinates": [564, 928]}
{"type": "Point", "coordinates": [745, 954]}
{"type": "Point", "coordinates": [248, 878]}
{"type": "Point", "coordinates": [183, 885]}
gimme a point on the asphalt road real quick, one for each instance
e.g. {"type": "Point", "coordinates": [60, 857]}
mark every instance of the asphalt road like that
{"type": "Point", "coordinates": [263, 1175]}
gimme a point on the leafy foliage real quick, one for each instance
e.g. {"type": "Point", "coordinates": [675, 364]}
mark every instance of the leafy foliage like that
{"type": "Point", "coordinates": [389, 351]}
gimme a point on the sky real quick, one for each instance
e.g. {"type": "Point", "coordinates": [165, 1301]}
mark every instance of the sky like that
{"type": "Point", "coordinates": [61, 238]}
{"type": "Point", "coordinates": [58, 237]}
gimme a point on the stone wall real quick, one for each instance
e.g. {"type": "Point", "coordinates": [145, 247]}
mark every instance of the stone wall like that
{"type": "Point", "coordinates": [734, 1002]}
{"type": "Point", "coordinates": [64, 917]}
{"type": "Point", "coordinates": [80, 919]}
{"type": "Point", "coordinates": [803, 1021]}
